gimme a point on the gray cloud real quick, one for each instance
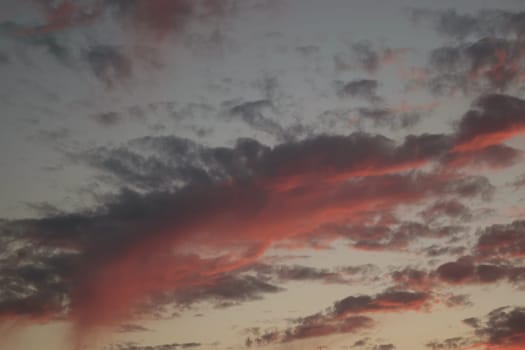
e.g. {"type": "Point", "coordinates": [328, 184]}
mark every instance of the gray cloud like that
{"type": "Point", "coordinates": [109, 64]}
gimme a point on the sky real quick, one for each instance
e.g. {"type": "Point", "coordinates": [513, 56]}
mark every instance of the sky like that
{"type": "Point", "coordinates": [262, 174]}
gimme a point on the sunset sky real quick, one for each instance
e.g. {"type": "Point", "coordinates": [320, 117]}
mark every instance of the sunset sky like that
{"type": "Point", "coordinates": [262, 174]}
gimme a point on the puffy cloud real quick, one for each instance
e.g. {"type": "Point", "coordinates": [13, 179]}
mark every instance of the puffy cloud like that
{"type": "Point", "coordinates": [495, 119]}
{"type": "Point", "coordinates": [505, 240]}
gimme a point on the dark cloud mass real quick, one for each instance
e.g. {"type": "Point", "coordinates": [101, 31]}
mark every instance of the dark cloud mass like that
{"type": "Point", "coordinates": [365, 89]}
{"type": "Point", "coordinates": [502, 328]}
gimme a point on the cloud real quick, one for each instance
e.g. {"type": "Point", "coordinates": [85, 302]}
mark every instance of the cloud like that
{"type": "Point", "coordinates": [465, 270]}
{"type": "Point", "coordinates": [107, 119]}
{"type": "Point", "coordinates": [109, 64]}
{"type": "Point", "coordinates": [161, 18]}
{"type": "Point", "coordinates": [192, 214]}
{"type": "Point", "coordinates": [110, 242]}
{"type": "Point", "coordinates": [477, 140]}
{"type": "Point", "coordinates": [491, 157]}
{"type": "Point", "coordinates": [365, 56]}
{"type": "Point", "coordinates": [452, 24]}
{"type": "Point", "coordinates": [495, 119]}
{"type": "Point", "coordinates": [389, 301]}
{"type": "Point", "coordinates": [172, 346]}
{"type": "Point", "coordinates": [456, 272]}
{"type": "Point", "coordinates": [227, 290]}
{"type": "Point", "coordinates": [48, 41]}
{"type": "Point", "coordinates": [344, 316]}
{"type": "Point", "coordinates": [384, 347]}
{"type": "Point", "coordinates": [253, 114]}
{"type": "Point", "coordinates": [487, 55]}
{"type": "Point", "coordinates": [502, 328]}
{"type": "Point", "coordinates": [502, 240]}
{"type": "Point", "coordinates": [452, 209]}
{"type": "Point", "coordinates": [59, 17]}
{"type": "Point", "coordinates": [301, 273]}
{"type": "Point", "coordinates": [448, 344]}
{"type": "Point", "coordinates": [131, 327]}
{"type": "Point", "coordinates": [151, 162]}
{"type": "Point", "coordinates": [388, 117]}
{"type": "Point", "coordinates": [364, 88]}
{"type": "Point", "coordinates": [287, 273]}
{"type": "Point", "coordinates": [317, 325]}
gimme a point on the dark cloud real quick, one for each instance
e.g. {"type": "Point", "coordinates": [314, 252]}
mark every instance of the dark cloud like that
{"type": "Point", "coordinates": [367, 57]}
{"type": "Point", "coordinates": [384, 347]}
{"type": "Point", "coordinates": [109, 64]}
{"type": "Point", "coordinates": [253, 114]}
{"type": "Point", "coordinates": [285, 273]}
{"type": "Point", "coordinates": [491, 157]}
{"type": "Point", "coordinates": [234, 202]}
{"type": "Point", "coordinates": [131, 327]}
{"type": "Point", "coordinates": [456, 272]}
{"type": "Point", "coordinates": [503, 328]}
{"type": "Point", "coordinates": [487, 65]}
{"type": "Point", "coordinates": [360, 342]}
{"type": "Point", "coordinates": [227, 290]}
{"type": "Point", "coordinates": [301, 273]}
{"type": "Point", "coordinates": [505, 240]}
{"type": "Point", "coordinates": [452, 209]}
{"type": "Point", "coordinates": [448, 344]}
{"type": "Point", "coordinates": [455, 300]}
{"type": "Point", "coordinates": [389, 301]}
{"type": "Point", "coordinates": [395, 236]}
{"type": "Point", "coordinates": [345, 316]}
{"type": "Point", "coordinates": [317, 325]}
{"type": "Point", "coordinates": [488, 55]}
{"type": "Point", "coordinates": [364, 88]}
{"type": "Point", "coordinates": [147, 163]}
{"type": "Point", "coordinates": [494, 119]}
{"type": "Point", "coordinates": [465, 270]}
{"type": "Point", "coordinates": [411, 278]}
{"type": "Point", "coordinates": [163, 162]}
{"type": "Point", "coordinates": [438, 250]}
